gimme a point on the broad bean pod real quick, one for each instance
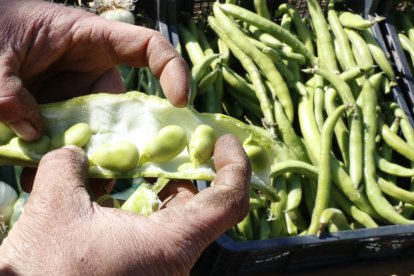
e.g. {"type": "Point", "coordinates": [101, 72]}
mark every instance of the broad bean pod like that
{"type": "Point", "coordinates": [137, 119]}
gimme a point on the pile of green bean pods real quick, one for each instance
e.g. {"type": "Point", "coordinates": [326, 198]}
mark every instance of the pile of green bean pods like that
{"type": "Point", "coordinates": [323, 86]}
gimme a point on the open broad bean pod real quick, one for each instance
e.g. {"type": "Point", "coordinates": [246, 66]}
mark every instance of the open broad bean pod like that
{"type": "Point", "coordinates": [136, 135]}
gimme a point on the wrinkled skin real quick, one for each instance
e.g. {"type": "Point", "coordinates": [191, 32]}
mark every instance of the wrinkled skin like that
{"type": "Point", "coordinates": [62, 232]}
{"type": "Point", "coordinates": [48, 53]}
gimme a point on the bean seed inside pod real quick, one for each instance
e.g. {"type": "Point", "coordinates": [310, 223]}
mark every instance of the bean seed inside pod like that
{"type": "Point", "coordinates": [119, 156]}
{"type": "Point", "coordinates": [40, 146]}
{"type": "Point", "coordinates": [258, 157]}
{"type": "Point", "coordinates": [6, 134]}
{"type": "Point", "coordinates": [201, 145]}
{"type": "Point", "coordinates": [77, 135]}
{"type": "Point", "coordinates": [167, 144]}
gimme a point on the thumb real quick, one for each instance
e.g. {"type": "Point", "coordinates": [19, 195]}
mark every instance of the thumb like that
{"type": "Point", "coordinates": [59, 183]}
{"type": "Point", "coordinates": [18, 107]}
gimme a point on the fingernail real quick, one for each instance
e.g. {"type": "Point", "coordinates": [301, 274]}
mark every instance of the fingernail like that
{"type": "Point", "coordinates": [25, 130]}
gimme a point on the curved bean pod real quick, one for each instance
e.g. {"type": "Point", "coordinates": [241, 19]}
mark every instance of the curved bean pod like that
{"type": "Point", "coordinates": [380, 204]}
{"type": "Point", "coordinates": [395, 142]}
{"type": "Point", "coordinates": [324, 45]}
{"type": "Point", "coordinates": [263, 62]}
{"type": "Point", "coordinates": [353, 211]}
{"type": "Point", "coordinates": [271, 28]}
{"type": "Point", "coordinates": [324, 179]}
{"type": "Point", "coordinates": [336, 216]}
{"type": "Point", "coordinates": [361, 46]}
{"type": "Point", "coordinates": [304, 34]}
{"type": "Point", "coordinates": [396, 192]}
{"type": "Point", "coordinates": [393, 168]}
{"type": "Point", "coordinates": [355, 21]}
{"type": "Point", "coordinates": [251, 69]}
{"type": "Point", "coordinates": [347, 56]}
{"type": "Point", "coordinates": [378, 54]}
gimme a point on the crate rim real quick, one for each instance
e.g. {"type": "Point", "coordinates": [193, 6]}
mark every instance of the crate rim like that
{"type": "Point", "coordinates": [361, 234]}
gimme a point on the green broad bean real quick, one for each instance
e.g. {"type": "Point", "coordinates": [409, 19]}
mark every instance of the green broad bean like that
{"type": "Point", "coordinates": [355, 21]}
{"type": "Point", "coordinates": [351, 210]}
{"type": "Point", "coordinates": [392, 168]}
{"type": "Point", "coordinates": [6, 134]}
{"type": "Point", "coordinates": [325, 174]}
{"type": "Point", "coordinates": [324, 44]}
{"type": "Point", "coordinates": [406, 23]}
{"type": "Point", "coordinates": [286, 22]}
{"type": "Point", "coordinates": [77, 135]}
{"type": "Point", "coordinates": [118, 156]}
{"type": "Point", "coordinates": [340, 85]}
{"type": "Point", "coordinates": [304, 34]}
{"type": "Point", "coordinates": [167, 144]}
{"type": "Point", "coordinates": [395, 192]}
{"type": "Point", "coordinates": [346, 56]}
{"type": "Point", "coordinates": [38, 147]}
{"type": "Point", "coordinates": [281, 91]}
{"type": "Point", "coordinates": [239, 84]}
{"type": "Point", "coordinates": [407, 45]}
{"type": "Point", "coordinates": [277, 217]}
{"type": "Point", "coordinates": [261, 8]}
{"type": "Point", "coordinates": [312, 140]}
{"type": "Point", "coordinates": [264, 229]}
{"type": "Point", "coordinates": [378, 54]}
{"type": "Point", "coordinates": [361, 46]}
{"type": "Point", "coordinates": [294, 191]}
{"type": "Point", "coordinates": [256, 201]}
{"type": "Point", "coordinates": [245, 228]}
{"type": "Point", "coordinates": [355, 147]}
{"type": "Point", "coordinates": [342, 134]}
{"type": "Point", "coordinates": [201, 145]}
{"type": "Point", "coordinates": [375, 196]}
{"type": "Point", "coordinates": [271, 28]}
{"type": "Point", "coordinates": [224, 51]}
{"type": "Point", "coordinates": [200, 69]}
{"type": "Point", "coordinates": [354, 73]}
{"type": "Point", "coordinates": [257, 155]}
{"type": "Point", "coordinates": [334, 216]}
{"type": "Point", "coordinates": [143, 201]}
{"type": "Point", "coordinates": [295, 166]}
{"type": "Point", "coordinates": [264, 37]}
{"type": "Point", "coordinates": [207, 81]}
{"type": "Point", "coordinates": [254, 73]}
{"type": "Point", "coordinates": [395, 142]}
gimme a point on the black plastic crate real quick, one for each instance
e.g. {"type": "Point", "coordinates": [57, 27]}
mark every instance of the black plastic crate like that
{"type": "Point", "coordinates": [226, 256]}
{"type": "Point", "coordinates": [401, 66]}
{"type": "Point", "coordinates": [294, 254]}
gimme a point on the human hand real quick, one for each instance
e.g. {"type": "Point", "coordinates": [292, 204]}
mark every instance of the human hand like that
{"type": "Point", "coordinates": [49, 52]}
{"type": "Point", "coordinates": [61, 232]}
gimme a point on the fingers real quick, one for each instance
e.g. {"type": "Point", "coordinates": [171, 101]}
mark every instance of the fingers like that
{"type": "Point", "coordinates": [100, 187]}
{"type": "Point", "coordinates": [27, 177]}
{"type": "Point", "coordinates": [59, 182]}
{"type": "Point", "coordinates": [110, 82]}
{"type": "Point", "coordinates": [139, 46]}
{"type": "Point", "coordinates": [18, 107]}
{"type": "Point", "coordinates": [214, 210]}
{"type": "Point", "coordinates": [177, 193]}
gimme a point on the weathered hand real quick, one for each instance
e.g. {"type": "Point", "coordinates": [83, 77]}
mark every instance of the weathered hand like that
{"type": "Point", "coordinates": [49, 52]}
{"type": "Point", "coordinates": [61, 232]}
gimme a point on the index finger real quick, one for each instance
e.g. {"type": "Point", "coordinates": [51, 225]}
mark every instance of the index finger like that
{"type": "Point", "coordinates": [138, 46]}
